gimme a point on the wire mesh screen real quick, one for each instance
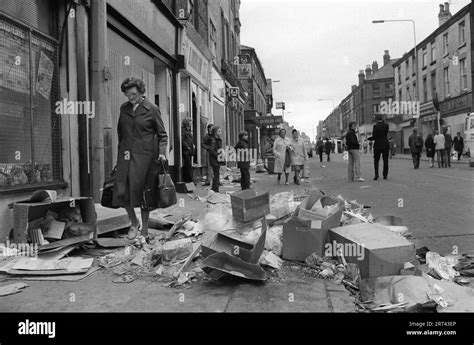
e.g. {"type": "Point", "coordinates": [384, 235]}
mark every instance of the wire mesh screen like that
{"type": "Point", "coordinates": [30, 150]}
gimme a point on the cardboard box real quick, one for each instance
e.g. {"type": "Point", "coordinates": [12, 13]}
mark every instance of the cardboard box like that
{"type": "Point", "coordinates": [23, 212]}
{"type": "Point", "coordinates": [306, 232]}
{"type": "Point", "coordinates": [245, 251]}
{"type": "Point", "coordinates": [304, 212]}
{"type": "Point", "coordinates": [383, 252]}
{"type": "Point", "coordinates": [247, 205]}
{"type": "Point", "coordinates": [301, 238]}
{"type": "Point", "coordinates": [219, 265]}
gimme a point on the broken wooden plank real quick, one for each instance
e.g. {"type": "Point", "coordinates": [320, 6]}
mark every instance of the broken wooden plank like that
{"type": "Point", "coordinates": [178, 224]}
{"type": "Point", "coordinates": [196, 249]}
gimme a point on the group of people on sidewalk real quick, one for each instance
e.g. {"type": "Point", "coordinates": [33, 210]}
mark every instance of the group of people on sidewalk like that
{"type": "Point", "coordinates": [325, 146]}
{"type": "Point", "coordinates": [289, 155]}
{"type": "Point", "coordinates": [441, 145]}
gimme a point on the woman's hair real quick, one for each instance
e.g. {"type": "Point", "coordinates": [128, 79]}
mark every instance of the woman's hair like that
{"type": "Point", "coordinates": [215, 129]}
{"type": "Point", "coordinates": [293, 131]}
{"type": "Point", "coordinates": [242, 134]}
{"type": "Point", "coordinates": [186, 123]}
{"type": "Point", "coordinates": [282, 130]}
{"type": "Point", "coordinates": [209, 126]}
{"type": "Point", "coordinates": [133, 82]}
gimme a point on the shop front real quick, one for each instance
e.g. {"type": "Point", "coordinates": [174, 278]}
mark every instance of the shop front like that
{"type": "Point", "coordinates": [195, 82]}
{"type": "Point", "coordinates": [454, 112]}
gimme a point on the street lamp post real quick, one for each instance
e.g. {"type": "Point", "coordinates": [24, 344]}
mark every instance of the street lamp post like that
{"type": "Point", "coordinates": [418, 120]}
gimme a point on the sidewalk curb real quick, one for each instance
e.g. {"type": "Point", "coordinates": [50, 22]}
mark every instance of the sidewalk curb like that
{"type": "Point", "coordinates": [424, 159]}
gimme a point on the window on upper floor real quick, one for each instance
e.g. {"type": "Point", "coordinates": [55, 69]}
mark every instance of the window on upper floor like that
{"type": "Point", "coordinates": [213, 36]}
{"type": "Point", "coordinates": [433, 51]}
{"type": "Point", "coordinates": [191, 11]}
{"type": "Point", "coordinates": [462, 32]}
{"type": "Point", "coordinates": [446, 82]}
{"type": "Point", "coordinates": [376, 90]}
{"type": "Point", "coordinates": [445, 43]}
{"type": "Point", "coordinates": [408, 95]}
{"type": "Point", "coordinates": [425, 90]}
{"type": "Point", "coordinates": [407, 68]}
{"type": "Point", "coordinates": [463, 67]}
{"type": "Point", "coordinates": [424, 61]}
{"type": "Point", "coordinates": [433, 84]}
{"type": "Point", "coordinates": [399, 74]}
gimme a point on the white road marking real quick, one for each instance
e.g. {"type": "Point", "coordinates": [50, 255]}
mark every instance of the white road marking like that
{"type": "Point", "coordinates": [457, 178]}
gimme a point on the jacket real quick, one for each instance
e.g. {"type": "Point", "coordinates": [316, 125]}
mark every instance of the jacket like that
{"type": "Point", "coordinates": [206, 141]}
{"type": "Point", "coordinates": [142, 137]}
{"type": "Point", "coordinates": [320, 144]}
{"type": "Point", "coordinates": [415, 141]}
{"type": "Point", "coordinates": [379, 135]}
{"type": "Point", "coordinates": [458, 143]}
{"type": "Point", "coordinates": [440, 142]}
{"type": "Point", "coordinates": [448, 141]}
{"type": "Point", "coordinates": [352, 143]}
{"type": "Point", "coordinates": [328, 146]}
{"type": "Point", "coordinates": [298, 153]}
{"type": "Point", "coordinates": [243, 154]}
{"type": "Point", "coordinates": [280, 151]}
{"type": "Point", "coordinates": [216, 154]}
{"type": "Point", "coordinates": [188, 145]}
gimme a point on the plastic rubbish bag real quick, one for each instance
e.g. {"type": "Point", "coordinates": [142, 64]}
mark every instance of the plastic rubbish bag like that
{"type": "Point", "coordinates": [273, 241]}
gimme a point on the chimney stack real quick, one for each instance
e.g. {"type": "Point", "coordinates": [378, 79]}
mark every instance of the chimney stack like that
{"type": "Point", "coordinates": [368, 71]}
{"type": "Point", "coordinates": [444, 13]}
{"type": "Point", "coordinates": [353, 87]}
{"type": "Point", "coordinates": [375, 66]}
{"type": "Point", "coordinates": [386, 58]}
{"type": "Point", "coordinates": [361, 76]}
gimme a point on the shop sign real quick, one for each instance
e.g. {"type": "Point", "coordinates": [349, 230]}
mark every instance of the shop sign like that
{"type": "Point", "coordinates": [457, 105]}
{"type": "Point", "coordinates": [269, 120]}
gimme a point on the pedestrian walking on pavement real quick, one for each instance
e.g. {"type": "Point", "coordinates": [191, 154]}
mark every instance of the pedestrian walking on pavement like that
{"type": "Point", "coordinates": [415, 141]}
{"type": "Point", "coordinates": [430, 148]}
{"type": "Point", "coordinates": [448, 144]}
{"type": "Point", "coordinates": [320, 148]}
{"type": "Point", "coordinates": [242, 149]}
{"type": "Point", "coordinates": [282, 156]}
{"type": "Point", "coordinates": [328, 147]}
{"type": "Point", "coordinates": [353, 146]}
{"type": "Point", "coordinates": [205, 146]}
{"type": "Point", "coordinates": [440, 143]}
{"type": "Point", "coordinates": [298, 155]}
{"type": "Point", "coordinates": [381, 146]}
{"type": "Point", "coordinates": [458, 143]}
{"type": "Point", "coordinates": [141, 139]}
{"type": "Point", "coordinates": [365, 145]}
{"type": "Point", "coordinates": [187, 146]}
{"type": "Point", "coordinates": [215, 150]}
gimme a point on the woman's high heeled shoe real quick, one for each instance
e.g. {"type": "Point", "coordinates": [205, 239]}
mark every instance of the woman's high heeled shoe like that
{"type": "Point", "coordinates": [133, 232]}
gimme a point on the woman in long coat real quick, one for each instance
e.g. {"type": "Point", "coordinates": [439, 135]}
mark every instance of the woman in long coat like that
{"type": "Point", "coordinates": [430, 148]}
{"type": "Point", "coordinates": [188, 151]}
{"type": "Point", "coordinates": [298, 154]}
{"type": "Point", "coordinates": [280, 146]}
{"type": "Point", "coordinates": [142, 138]}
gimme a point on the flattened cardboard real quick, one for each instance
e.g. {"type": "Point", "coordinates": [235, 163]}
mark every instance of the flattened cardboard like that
{"type": "Point", "coordinates": [221, 264]}
{"type": "Point", "coordinates": [304, 210]}
{"type": "Point", "coordinates": [243, 250]}
{"type": "Point", "coordinates": [67, 242]}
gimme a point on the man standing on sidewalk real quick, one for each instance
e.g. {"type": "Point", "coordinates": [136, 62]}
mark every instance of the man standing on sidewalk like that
{"type": "Point", "coordinates": [458, 145]}
{"type": "Point", "coordinates": [440, 149]}
{"type": "Point", "coordinates": [353, 146]}
{"type": "Point", "coordinates": [448, 144]}
{"type": "Point", "coordinates": [415, 141]}
{"type": "Point", "coordinates": [320, 148]}
{"type": "Point", "coordinates": [381, 146]}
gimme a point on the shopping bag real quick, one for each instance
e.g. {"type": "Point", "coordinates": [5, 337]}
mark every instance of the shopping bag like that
{"type": "Point", "coordinates": [108, 190]}
{"type": "Point", "coordinates": [166, 191]}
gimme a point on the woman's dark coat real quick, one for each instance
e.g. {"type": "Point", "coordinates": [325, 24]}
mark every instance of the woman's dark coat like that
{"type": "Point", "coordinates": [430, 146]}
{"type": "Point", "coordinates": [142, 137]}
{"type": "Point", "coordinates": [243, 145]}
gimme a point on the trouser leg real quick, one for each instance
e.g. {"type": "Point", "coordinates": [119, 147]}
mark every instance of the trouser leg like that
{"type": "Point", "coordinates": [350, 166]}
{"type": "Point", "coordinates": [385, 163]}
{"type": "Point", "coordinates": [377, 154]}
{"type": "Point", "coordinates": [215, 179]}
{"type": "Point", "coordinates": [356, 162]}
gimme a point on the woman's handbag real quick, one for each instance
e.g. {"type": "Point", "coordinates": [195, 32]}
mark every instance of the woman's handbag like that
{"type": "Point", "coordinates": [166, 191]}
{"type": "Point", "coordinates": [108, 190]}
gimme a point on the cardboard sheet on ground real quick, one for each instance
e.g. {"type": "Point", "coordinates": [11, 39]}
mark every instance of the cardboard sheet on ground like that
{"type": "Point", "coordinates": [221, 264]}
{"type": "Point", "coordinates": [72, 264]}
{"type": "Point", "coordinates": [67, 277]}
{"type": "Point", "coordinates": [107, 242]}
{"type": "Point", "coordinates": [415, 290]}
{"type": "Point", "coordinates": [11, 289]}
{"type": "Point", "coordinates": [67, 242]}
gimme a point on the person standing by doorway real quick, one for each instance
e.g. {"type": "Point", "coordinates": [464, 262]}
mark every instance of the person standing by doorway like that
{"type": "Point", "coordinates": [448, 144]}
{"type": "Point", "coordinates": [205, 145]}
{"type": "Point", "coordinates": [282, 164]}
{"type": "Point", "coordinates": [415, 141]}
{"type": "Point", "coordinates": [188, 151]}
{"type": "Point", "coordinates": [381, 146]}
{"type": "Point", "coordinates": [328, 147]}
{"type": "Point", "coordinates": [440, 143]}
{"type": "Point", "coordinates": [243, 163]}
{"type": "Point", "coordinates": [353, 146]}
{"type": "Point", "coordinates": [458, 143]}
{"type": "Point", "coordinates": [320, 148]}
{"type": "Point", "coordinates": [215, 150]}
{"type": "Point", "coordinates": [298, 155]}
{"type": "Point", "coordinates": [430, 148]}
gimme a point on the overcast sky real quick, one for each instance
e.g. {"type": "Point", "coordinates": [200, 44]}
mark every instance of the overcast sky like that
{"type": "Point", "coordinates": [316, 48]}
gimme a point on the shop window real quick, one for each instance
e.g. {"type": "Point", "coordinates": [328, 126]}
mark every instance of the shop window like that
{"type": "Point", "coordinates": [30, 138]}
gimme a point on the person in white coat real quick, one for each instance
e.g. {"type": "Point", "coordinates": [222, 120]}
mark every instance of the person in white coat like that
{"type": "Point", "coordinates": [298, 155]}
{"type": "Point", "coordinates": [282, 163]}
